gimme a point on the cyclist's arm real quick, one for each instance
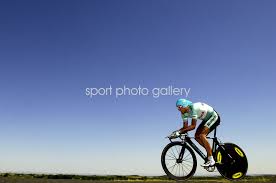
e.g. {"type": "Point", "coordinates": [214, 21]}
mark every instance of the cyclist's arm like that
{"type": "Point", "coordinates": [187, 127]}
{"type": "Point", "coordinates": [185, 124]}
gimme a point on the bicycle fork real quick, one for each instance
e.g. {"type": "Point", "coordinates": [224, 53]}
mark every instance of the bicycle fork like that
{"type": "Point", "coordinates": [181, 154]}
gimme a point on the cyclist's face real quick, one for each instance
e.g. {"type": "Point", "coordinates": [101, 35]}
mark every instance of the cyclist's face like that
{"type": "Point", "coordinates": [183, 109]}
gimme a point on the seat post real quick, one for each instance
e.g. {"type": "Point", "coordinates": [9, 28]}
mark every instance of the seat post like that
{"type": "Point", "coordinates": [214, 142]}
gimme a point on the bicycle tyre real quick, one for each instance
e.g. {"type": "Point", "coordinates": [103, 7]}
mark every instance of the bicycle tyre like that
{"type": "Point", "coordinates": [227, 168]}
{"type": "Point", "coordinates": [187, 150]}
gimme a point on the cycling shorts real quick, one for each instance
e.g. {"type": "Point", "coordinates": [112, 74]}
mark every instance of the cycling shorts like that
{"type": "Point", "coordinates": [211, 122]}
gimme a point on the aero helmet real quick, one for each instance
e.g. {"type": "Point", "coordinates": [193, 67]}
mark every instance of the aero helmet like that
{"type": "Point", "coordinates": [183, 102]}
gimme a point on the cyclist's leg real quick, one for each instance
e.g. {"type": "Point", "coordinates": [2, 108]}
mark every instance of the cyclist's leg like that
{"type": "Point", "coordinates": [204, 129]}
{"type": "Point", "coordinates": [198, 132]}
{"type": "Point", "coordinates": [204, 142]}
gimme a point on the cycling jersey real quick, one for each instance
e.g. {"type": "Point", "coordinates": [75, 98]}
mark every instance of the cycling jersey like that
{"type": "Point", "coordinates": [203, 112]}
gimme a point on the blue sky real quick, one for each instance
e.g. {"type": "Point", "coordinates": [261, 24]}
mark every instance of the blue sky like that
{"type": "Point", "coordinates": [50, 51]}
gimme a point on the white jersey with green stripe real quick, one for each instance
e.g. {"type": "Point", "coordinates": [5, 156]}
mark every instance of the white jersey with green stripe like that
{"type": "Point", "coordinates": [198, 110]}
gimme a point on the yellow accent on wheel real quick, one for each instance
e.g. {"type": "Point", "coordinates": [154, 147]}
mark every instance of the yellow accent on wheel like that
{"type": "Point", "coordinates": [237, 175]}
{"type": "Point", "coordinates": [219, 157]}
{"type": "Point", "coordinates": [239, 152]}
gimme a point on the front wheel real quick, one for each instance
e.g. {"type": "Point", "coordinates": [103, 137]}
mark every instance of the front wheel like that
{"type": "Point", "coordinates": [231, 161]}
{"type": "Point", "coordinates": [178, 161]}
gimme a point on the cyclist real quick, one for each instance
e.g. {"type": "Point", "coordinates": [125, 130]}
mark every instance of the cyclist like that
{"type": "Point", "coordinates": [210, 119]}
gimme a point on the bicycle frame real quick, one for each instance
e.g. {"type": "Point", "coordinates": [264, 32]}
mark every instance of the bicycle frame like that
{"type": "Point", "coordinates": [187, 140]}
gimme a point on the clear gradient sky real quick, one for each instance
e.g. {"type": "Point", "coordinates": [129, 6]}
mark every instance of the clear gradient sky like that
{"type": "Point", "coordinates": [50, 51]}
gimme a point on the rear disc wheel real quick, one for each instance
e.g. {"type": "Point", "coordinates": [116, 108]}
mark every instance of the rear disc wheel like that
{"type": "Point", "coordinates": [234, 167]}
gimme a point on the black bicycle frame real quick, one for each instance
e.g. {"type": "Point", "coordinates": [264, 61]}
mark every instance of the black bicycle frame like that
{"type": "Point", "coordinates": [188, 140]}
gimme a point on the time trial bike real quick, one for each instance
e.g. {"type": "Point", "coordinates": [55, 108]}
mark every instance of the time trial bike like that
{"type": "Point", "coordinates": [179, 161]}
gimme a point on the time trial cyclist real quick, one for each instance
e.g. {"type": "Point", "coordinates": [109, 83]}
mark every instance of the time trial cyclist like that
{"type": "Point", "coordinates": [210, 120]}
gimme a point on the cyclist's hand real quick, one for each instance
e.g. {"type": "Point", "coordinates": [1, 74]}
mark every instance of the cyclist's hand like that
{"type": "Point", "coordinates": [175, 134]}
